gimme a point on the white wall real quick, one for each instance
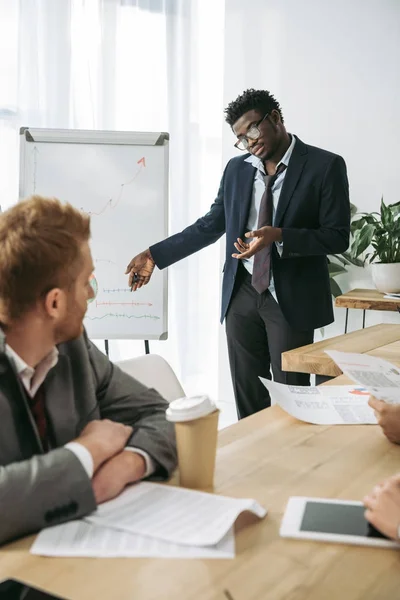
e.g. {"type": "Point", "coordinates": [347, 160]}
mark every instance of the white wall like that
{"type": "Point", "coordinates": [335, 69]}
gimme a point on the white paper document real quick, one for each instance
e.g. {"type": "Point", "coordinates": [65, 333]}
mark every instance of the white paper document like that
{"type": "Point", "coordinates": [172, 514]}
{"type": "Point", "coordinates": [83, 539]}
{"type": "Point", "coordinates": [378, 376]}
{"type": "Point", "coordinates": [323, 405]}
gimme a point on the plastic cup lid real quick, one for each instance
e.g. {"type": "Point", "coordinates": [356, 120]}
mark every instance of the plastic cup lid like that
{"type": "Point", "coordinates": [187, 409]}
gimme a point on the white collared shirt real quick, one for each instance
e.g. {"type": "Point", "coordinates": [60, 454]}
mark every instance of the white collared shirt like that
{"type": "Point", "coordinates": [257, 194]}
{"type": "Point", "coordinates": [32, 379]}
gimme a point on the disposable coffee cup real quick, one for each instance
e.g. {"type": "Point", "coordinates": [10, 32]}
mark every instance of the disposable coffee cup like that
{"type": "Point", "coordinates": [196, 428]}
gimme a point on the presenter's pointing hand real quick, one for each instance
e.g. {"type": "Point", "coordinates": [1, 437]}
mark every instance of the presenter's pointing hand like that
{"type": "Point", "coordinates": [140, 270]}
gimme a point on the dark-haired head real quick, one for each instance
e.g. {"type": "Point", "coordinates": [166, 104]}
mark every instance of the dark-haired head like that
{"type": "Point", "coordinates": [257, 121]}
{"type": "Point", "coordinates": [260, 100]}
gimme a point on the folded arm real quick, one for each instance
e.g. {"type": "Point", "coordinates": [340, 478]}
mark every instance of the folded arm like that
{"type": "Point", "coordinates": [45, 490]}
{"type": "Point", "coordinates": [123, 399]}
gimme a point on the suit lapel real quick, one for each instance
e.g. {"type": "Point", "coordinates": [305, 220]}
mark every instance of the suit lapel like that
{"type": "Point", "coordinates": [245, 190]}
{"type": "Point", "coordinates": [18, 410]}
{"type": "Point", "coordinates": [60, 402]}
{"type": "Point", "coordinates": [294, 170]}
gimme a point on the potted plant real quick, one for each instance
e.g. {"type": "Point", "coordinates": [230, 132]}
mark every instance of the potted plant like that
{"type": "Point", "coordinates": [378, 234]}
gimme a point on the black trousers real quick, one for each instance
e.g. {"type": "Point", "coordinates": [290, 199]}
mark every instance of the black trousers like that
{"type": "Point", "coordinates": [257, 334]}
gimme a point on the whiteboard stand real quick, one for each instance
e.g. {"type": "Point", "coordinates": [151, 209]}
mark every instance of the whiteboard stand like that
{"type": "Point", "coordinates": [146, 347]}
{"type": "Point", "coordinates": [120, 179]}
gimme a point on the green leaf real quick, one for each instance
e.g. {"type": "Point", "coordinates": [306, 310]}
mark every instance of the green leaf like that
{"type": "Point", "coordinates": [386, 214]}
{"type": "Point", "coordinates": [335, 289]}
{"type": "Point", "coordinates": [395, 208]}
{"type": "Point", "coordinates": [357, 224]}
{"type": "Point", "coordinates": [362, 240]}
{"type": "Point", "coordinates": [354, 261]}
{"type": "Point", "coordinates": [335, 269]}
{"type": "Point", "coordinates": [341, 258]}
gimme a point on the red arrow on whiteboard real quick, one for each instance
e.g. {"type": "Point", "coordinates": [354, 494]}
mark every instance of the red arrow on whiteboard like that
{"type": "Point", "coordinates": [142, 161]}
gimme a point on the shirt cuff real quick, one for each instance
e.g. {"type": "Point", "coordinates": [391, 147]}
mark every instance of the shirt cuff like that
{"type": "Point", "coordinates": [150, 464]}
{"type": "Point", "coordinates": [279, 247]}
{"type": "Point", "coordinates": [83, 455]}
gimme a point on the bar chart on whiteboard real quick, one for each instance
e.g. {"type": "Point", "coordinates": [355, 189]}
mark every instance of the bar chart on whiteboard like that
{"type": "Point", "coordinates": [123, 186]}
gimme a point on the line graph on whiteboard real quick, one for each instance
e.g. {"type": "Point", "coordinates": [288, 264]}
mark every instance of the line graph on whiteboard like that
{"type": "Point", "coordinates": [123, 188]}
{"type": "Point", "coordinates": [123, 316]}
{"type": "Point", "coordinates": [110, 305]}
{"type": "Point", "coordinates": [116, 309]}
{"type": "Point", "coordinates": [112, 202]}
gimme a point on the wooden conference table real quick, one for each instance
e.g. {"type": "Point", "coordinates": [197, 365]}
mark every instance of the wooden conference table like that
{"type": "Point", "coordinates": [382, 341]}
{"type": "Point", "coordinates": [268, 456]}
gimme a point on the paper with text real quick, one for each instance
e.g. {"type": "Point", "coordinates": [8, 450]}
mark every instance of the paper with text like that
{"type": "Point", "coordinates": [172, 514]}
{"type": "Point", "coordinates": [83, 539]}
{"type": "Point", "coordinates": [323, 405]}
{"type": "Point", "coordinates": [380, 377]}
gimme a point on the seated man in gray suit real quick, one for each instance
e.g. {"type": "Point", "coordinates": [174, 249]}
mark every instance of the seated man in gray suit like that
{"type": "Point", "coordinates": [74, 429]}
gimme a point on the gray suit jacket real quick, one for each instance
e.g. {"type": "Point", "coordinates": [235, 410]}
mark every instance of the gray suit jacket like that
{"type": "Point", "coordinates": [40, 489]}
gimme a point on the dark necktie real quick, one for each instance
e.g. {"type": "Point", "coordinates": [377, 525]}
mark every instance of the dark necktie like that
{"type": "Point", "coordinates": [262, 260]}
{"type": "Point", "coordinates": [38, 408]}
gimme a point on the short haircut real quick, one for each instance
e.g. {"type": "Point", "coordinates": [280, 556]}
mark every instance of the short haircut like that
{"type": "Point", "coordinates": [40, 249]}
{"type": "Point", "coordinates": [260, 100]}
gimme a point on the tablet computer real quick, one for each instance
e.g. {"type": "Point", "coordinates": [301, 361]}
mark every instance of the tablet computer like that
{"type": "Point", "coordinates": [12, 589]}
{"type": "Point", "coordinates": [328, 520]}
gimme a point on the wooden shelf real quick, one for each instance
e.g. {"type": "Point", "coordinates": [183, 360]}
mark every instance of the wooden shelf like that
{"type": "Point", "coordinates": [367, 300]}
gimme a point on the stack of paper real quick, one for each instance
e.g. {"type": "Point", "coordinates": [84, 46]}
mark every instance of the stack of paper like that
{"type": "Point", "coordinates": [152, 520]}
{"type": "Point", "coordinates": [323, 405]}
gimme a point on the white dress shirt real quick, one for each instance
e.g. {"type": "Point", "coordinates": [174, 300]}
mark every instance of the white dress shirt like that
{"type": "Point", "coordinates": [257, 194]}
{"type": "Point", "coordinates": [32, 379]}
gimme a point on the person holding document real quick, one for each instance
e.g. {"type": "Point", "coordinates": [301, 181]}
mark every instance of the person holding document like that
{"type": "Point", "coordinates": [74, 428]}
{"type": "Point", "coordinates": [388, 416]}
{"type": "Point", "coordinates": [293, 200]}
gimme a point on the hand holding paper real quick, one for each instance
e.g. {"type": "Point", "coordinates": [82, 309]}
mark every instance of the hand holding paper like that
{"type": "Point", "coordinates": [323, 405]}
{"type": "Point", "coordinates": [380, 377]}
{"type": "Point", "coordinates": [388, 416]}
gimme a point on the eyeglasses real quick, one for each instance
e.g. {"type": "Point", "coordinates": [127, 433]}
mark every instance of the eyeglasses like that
{"type": "Point", "coordinates": [252, 134]}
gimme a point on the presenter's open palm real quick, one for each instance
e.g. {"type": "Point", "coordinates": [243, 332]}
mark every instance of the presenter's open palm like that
{"type": "Point", "coordinates": [261, 238]}
{"type": "Point", "coordinates": [140, 270]}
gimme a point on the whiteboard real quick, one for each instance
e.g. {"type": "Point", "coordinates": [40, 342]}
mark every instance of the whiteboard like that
{"type": "Point", "coordinates": [121, 180]}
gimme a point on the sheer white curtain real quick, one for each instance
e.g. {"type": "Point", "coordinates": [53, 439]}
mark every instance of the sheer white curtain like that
{"type": "Point", "coordinates": [130, 65]}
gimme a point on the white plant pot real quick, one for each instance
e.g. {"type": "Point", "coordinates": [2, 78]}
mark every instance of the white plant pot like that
{"type": "Point", "coordinates": [386, 277]}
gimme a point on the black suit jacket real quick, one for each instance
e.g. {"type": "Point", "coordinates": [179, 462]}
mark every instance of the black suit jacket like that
{"type": "Point", "coordinates": [314, 214]}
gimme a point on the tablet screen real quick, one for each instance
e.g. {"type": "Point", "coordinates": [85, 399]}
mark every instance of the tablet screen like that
{"type": "Point", "coordinates": [342, 519]}
{"type": "Point", "coordinates": [10, 589]}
